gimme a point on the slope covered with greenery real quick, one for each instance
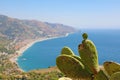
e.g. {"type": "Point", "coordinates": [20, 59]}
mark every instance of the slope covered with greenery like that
{"type": "Point", "coordinates": [16, 33]}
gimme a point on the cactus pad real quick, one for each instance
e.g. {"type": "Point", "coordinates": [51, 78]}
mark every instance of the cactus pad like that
{"type": "Point", "coordinates": [77, 57]}
{"type": "Point", "coordinates": [67, 51]}
{"type": "Point", "coordinates": [72, 67]}
{"type": "Point", "coordinates": [111, 67]}
{"type": "Point", "coordinates": [101, 76]}
{"type": "Point", "coordinates": [115, 76]}
{"type": "Point", "coordinates": [89, 55]}
{"type": "Point", "coordinates": [85, 36]}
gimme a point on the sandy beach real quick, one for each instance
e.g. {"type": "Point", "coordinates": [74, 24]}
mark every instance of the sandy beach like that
{"type": "Point", "coordinates": [19, 52]}
{"type": "Point", "coordinates": [14, 57]}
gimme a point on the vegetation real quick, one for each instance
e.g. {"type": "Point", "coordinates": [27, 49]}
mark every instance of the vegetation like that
{"type": "Point", "coordinates": [10, 71]}
{"type": "Point", "coordinates": [5, 46]}
{"type": "Point", "coordinates": [86, 66]}
{"type": "Point", "coordinates": [32, 76]}
{"type": "Point", "coordinates": [6, 66]}
{"type": "Point", "coordinates": [14, 34]}
{"type": "Point", "coordinates": [20, 30]}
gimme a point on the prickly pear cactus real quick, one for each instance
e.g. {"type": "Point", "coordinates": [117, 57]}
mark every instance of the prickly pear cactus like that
{"type": "Point", "coordinates": [115, 76]}
{"type": "Point", "coordinates": [111, 67]}
{"type": "Point", "coordinates": [72, 67]}
{"type": "Point", "coordinates": [89, 55]}
{"type": "Point", "coordinates": [86, 66]}
{"type": "Point", "coordinates": [67, 51]}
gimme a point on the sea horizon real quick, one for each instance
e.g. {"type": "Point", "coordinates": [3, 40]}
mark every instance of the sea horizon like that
{"type": "Point", "coordinates": [43, 54]}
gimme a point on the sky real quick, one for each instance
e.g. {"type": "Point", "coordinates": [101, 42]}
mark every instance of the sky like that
{"type": "Point", "coordinates": [76, 13]}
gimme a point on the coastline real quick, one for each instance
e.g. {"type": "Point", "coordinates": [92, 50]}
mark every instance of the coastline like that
{"type": "Point", "coordinates": [19, 53]}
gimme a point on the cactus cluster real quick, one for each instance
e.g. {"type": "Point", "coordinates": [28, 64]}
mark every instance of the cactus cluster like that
{"type": "Point", "coordinates": [86, 66]}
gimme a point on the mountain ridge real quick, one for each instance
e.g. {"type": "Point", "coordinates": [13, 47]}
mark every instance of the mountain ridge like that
{"type": "Point", "coordinates": [16, 34]}
{"type": "Point", "coordinates": [8, 23]}
{"type": "Point", "coordinates": [18, 31]}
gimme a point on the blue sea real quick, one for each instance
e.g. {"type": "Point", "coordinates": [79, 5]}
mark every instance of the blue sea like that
{"type": "Point", "coordinates": [43, 54]}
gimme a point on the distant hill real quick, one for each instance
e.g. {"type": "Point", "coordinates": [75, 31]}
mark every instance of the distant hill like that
{"type": "Point", "coordinates": [12, 29]}
{"type": "Point", "coordinates": [21, 29]}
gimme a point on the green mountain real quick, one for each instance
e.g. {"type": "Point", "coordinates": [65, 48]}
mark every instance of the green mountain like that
{"type": "Point", "coordinates": [14, 28]}
{"type": "Point", "coordinates": [16, 33]}
{"type": "Point", "coordinates": [13, 31]}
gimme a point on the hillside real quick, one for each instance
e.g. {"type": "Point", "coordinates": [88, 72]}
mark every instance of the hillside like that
{"type": "Point", "coordinates": [20, 29]}
{"type": "Point", "coordinates": [15, 31]}
{"type": "Point", "coordinates": [15, 34]}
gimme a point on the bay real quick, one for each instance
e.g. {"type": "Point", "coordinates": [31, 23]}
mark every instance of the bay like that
{"type": "Point", "coordinates": [43, 54]}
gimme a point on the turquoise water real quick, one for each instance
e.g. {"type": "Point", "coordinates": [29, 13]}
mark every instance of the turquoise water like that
{"type": "Point", "coordinates": [43, 54]}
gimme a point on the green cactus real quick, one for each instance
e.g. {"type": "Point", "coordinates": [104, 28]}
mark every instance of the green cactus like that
{"type": "Point", "coordinates": [101, 75]}
{"type": "Point", "coordinates": [111, 67]}
{"type": "Point", "coordinates": [85, 36]}
{"type": "Point", "coordinates": [78, 58]}
{"type": "Point", "coordinates": [89, 55]}
{"type": "Point", "coordinates": [86, 66]}
{"type": "Point", "coordinates": [67, 51]}
{"type": "Point", "coordinates": [115, 76]}
{"type": "Point", "coordinates": [72, 67]}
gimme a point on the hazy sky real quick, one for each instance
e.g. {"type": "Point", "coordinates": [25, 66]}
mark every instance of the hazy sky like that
{"type": "Point", "coordinates": [77, 13]}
